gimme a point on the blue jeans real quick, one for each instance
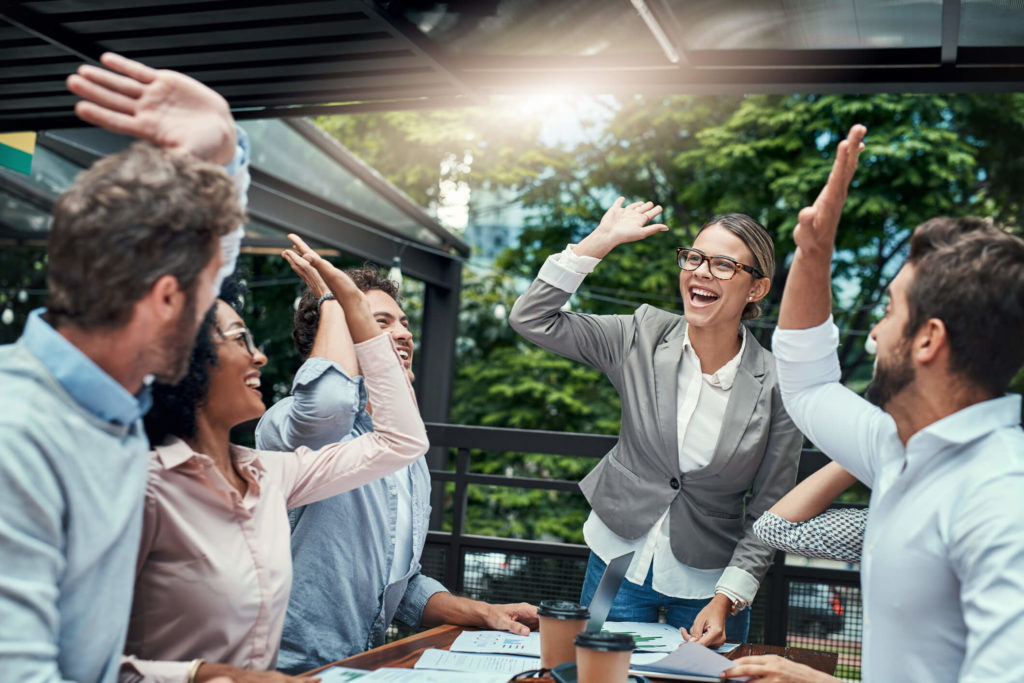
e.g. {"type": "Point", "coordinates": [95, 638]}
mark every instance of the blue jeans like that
{"type": "Point", "coordinates": [641, 603]}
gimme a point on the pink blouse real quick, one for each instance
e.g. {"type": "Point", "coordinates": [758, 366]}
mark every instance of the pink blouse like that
{"type": "Point", "coordinates": [214, 568]}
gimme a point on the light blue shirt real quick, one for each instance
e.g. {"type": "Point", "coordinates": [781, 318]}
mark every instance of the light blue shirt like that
{"type": "Point", "coordinates": [942, 570]}
{"type": "Point", "coordinates": [72, 478]}
{"type": "Point", "coordinates": [343, 548]}
{"type": "Point", "coordinates": [73, 463]}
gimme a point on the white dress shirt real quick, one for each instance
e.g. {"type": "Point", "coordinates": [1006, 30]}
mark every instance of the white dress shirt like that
{"type": "Point", "coordinates": [702, 400]}
{"type": "Point", "coordinates": [943, 564]}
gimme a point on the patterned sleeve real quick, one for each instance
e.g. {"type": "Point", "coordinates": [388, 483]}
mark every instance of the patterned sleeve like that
{"type": "Point", "coordinates": [836, 534]}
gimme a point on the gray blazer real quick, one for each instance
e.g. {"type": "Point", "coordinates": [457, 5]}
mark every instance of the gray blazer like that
{"type": "Point", "coordinates": [755, 460]}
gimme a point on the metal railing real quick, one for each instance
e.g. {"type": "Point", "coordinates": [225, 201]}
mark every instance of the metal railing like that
{"type": "Point", "coordinates": [793, 605]}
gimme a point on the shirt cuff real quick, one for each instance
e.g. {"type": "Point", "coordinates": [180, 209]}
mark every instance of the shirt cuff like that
{"type": "Point", "coordinates": [813, 343]}
{"type": "Point", "coordinates": [154, 671]}
{"type": "Point", "coordinates": [566, 271]}
{"type": "Point", "coordinates": [315, 367]}
{"type": "Point", "coordinates": [238, 167]}
{"type": "Point", "coordinates": [737, 585]}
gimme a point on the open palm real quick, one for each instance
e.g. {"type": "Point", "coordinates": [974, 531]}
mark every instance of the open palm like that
{"type": "Point", "coordinates": [169, 109]}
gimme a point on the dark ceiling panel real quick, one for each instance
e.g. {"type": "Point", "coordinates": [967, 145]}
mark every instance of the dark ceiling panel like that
{"type": "Point", "coordinates": [406, 53]}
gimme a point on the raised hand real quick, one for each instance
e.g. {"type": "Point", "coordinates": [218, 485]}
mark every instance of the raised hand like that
{"type": "Point", "coordinates": [817, 224]}
{"type": "Point", "coordinates": [304, 270]}
{"type": "Point", "coordinates": [621, 224]}
{"type": "Point", "coordinates": [169, 109]}
{"type": "Point", "coordinates": [807, 299]}
{"type": "Point", "coordinates": [360, 320]}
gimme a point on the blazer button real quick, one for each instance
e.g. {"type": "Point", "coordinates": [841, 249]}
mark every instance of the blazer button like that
{"type": "Point", "coordinates": [674, 483]}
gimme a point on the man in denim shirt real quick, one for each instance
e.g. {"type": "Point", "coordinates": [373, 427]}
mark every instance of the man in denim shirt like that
{"type": "Point", "coordinates": [356, 556]}
{"type": "Point", "coordinates": [137, 246]}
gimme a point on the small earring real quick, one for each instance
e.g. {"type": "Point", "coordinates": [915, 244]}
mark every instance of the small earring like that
{"type": "Point", "coordinates": [750, 298]}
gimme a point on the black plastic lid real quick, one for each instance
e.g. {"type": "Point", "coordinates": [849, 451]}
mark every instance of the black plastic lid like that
{"type": "Point", "coordinates": [602, 640]}
{"type": "Point", "coordinates": [562, 609]}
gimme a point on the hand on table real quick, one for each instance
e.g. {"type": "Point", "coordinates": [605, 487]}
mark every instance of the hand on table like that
{"type": "Point", "coordinates": [708, 628]}
{"type": "Point", "coordinates": [775, 669]}
{"type": "Point", "coordinates": [621, 224]}
{"type": "Point", "coordinates": [211, 672]}
{"type": "Point", "coordinates": [517, 618]}
{"type": "Point", "coordinates": [169, 109]}
{"type": "Point", "coordinates": [817, 224]}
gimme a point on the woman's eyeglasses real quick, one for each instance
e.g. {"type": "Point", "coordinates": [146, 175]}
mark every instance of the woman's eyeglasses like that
{"type": "Point", "coordinates": [241, 336]}
{"type": "Point", "coordinates": [722, 267]}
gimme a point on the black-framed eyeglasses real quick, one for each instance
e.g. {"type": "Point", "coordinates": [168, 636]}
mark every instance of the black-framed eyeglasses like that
{"type": "Point", "coordinates": [242, 335]}
{"type": "Point", "coordinates": [722, 267]}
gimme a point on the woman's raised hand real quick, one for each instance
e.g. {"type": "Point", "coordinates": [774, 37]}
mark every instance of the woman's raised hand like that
{"type": "Point", "coordinates": [361, 324]}
{"type": "Point", "coordinates": [621, 224]}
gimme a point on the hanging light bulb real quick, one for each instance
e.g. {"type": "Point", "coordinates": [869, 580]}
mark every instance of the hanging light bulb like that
{"type": "Point", "coordinates": [395, 274]}
{"type": "Point", "coordinates": [500, 313]}
{"type": "Point", "coordinates": [7, 317]}
{"type": "Point", "coordinates": [22, 296]}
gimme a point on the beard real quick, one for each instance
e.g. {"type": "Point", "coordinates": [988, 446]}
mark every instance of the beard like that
{"type": "Point", "coordinates": [176, 347]}
{"type": "Point", "coordinates": [890, 377]}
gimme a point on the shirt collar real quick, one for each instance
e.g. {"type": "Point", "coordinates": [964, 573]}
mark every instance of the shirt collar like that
{"type": "Point", "coordinates": [726, 375]}
{"type": "Point", "coordinates": [85, 381]}
{"type": "Point", "coordinates": [970, 423]}
{"type": "Point", "coordinates": [176, 453]}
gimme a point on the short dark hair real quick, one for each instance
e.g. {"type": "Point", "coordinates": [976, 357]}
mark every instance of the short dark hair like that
{"type": "Point", "coordinates": [130, 219]}
{"type": "Point", "coordinates": [307, 315]}
{"type": "Point", "coordinates": [756, 238]}
{"type": "Point", "coordinates": [969, 273]}
{"type": "Point", "coordinates": [176, 406]}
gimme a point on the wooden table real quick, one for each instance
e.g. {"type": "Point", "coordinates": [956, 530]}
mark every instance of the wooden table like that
{"type": "Point", "coordinates": [404, 653]}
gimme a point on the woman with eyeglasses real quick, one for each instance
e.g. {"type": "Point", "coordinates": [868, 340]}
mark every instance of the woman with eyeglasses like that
{"type": "Point", "coordinates": [214, 568]}
{"type": "Point", "coordinates": [705, 445]}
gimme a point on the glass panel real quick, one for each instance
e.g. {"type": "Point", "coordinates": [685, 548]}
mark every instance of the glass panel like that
{"type": "Point", "coordinates": [281, 151]}
{"type": "Point", "coordinates": [991, 23]}
{"type": "Point", "coordinates": [19, 216]}
{"type": "Point", "coordinates": [537, 28]}
{"type": "Point", "coordinates": [50, 173]}
{"type": "Point", "coordinates": [807, 24]}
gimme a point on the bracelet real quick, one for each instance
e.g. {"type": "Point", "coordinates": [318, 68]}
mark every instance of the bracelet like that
{"type": "Point", "coordinates": [325, 297]}
{"type": "Point", "coordinates": [193, 669]}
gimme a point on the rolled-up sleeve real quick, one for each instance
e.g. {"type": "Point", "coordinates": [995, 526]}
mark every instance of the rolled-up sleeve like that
{"type": "Point", "coordinates": [419, 591]}
{"type": "Point", "coordinates": [324, 404]}
{"type": "Point", "coordinates": [836, 534]}
{"type": "Point", "coordinates": [842, 424]}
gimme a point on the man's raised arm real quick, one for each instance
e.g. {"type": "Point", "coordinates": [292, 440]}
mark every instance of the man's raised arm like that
{"type": "Point", "coordinates": [807, 299]}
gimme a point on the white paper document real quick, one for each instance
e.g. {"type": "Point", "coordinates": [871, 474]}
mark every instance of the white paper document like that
{"type": "Point", "coordinates": [648, 637]}
{"type": "Point", "coordinates": [342, 675]}
{"type": "Point", "coordinates": [476, 663]}
{"type": "Point", "coordinates": [498, 643]}
{"type": "Point", "coordinates": [689, 662]}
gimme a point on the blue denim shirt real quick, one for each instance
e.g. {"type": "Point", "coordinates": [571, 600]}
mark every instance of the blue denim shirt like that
{"type": "Point", "coordinates": [343, 547]}
{"type": "Point", "coordinates": [72, 479]}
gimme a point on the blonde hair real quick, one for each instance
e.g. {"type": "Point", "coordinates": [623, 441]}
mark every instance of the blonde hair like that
{"type": "Point", "coordinates": [756, 238]}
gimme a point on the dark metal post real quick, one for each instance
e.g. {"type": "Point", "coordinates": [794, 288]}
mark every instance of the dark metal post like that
{"type": "Point", "coordinates": [454, 574]}
{"type": "Point", "coordinates": [778, 603]}
{"type": "Point", "coordinates": [436, 369]}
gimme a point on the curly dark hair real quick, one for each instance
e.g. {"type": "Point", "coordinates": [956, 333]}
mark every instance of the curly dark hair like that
{"type": "Point", "coordinates": [307, 315]}
{"type": "Point", "coordinates": [175, 406]}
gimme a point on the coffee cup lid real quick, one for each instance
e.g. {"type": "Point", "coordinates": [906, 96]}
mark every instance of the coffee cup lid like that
{"type": "Point", "coordinates": [602, 640]}
{"type": "Point", "coordinates": [562, 609]}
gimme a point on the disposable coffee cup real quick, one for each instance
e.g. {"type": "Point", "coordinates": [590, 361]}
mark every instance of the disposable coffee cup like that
{"type": "Point", "coordinates": [560, 621]}
{"type": "Point", "coordinates": [603, 657]}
